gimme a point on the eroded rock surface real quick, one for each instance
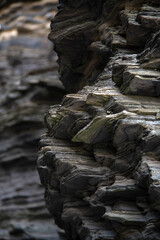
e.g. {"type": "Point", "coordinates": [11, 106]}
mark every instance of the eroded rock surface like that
{"type": "Point", "coordinates": [28, 85]}
{"type": "Point", "coordinates": [99, 161]}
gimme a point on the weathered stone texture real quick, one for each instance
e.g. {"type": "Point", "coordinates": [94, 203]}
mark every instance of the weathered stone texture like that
{"type": "Point", "coordinates": [99, 161]}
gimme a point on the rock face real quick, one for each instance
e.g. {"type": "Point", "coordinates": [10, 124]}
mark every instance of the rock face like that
{"type": "Point", "coordinates": [28, 85]}
{"type": "Point", "coordinates": [100, 159]}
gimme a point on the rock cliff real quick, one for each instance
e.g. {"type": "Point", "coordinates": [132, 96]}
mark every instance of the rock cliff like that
{"type": "Point", "coordinates": [28, 85]}
{"type": "Point", "coordinates": [100, 159]}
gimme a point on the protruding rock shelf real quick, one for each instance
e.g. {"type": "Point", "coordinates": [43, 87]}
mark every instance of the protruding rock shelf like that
{"type": "Point", "coordinates": [100, 159]}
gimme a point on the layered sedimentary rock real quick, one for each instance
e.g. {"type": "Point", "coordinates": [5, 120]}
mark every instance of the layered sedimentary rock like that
{"type": "Point", "coordinates": [28, 85]}
{"type": "Point", "coordinates": [99, 161]}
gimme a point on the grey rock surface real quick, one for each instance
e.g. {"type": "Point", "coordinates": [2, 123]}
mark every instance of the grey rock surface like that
{"type": "Point", "coordinates": [99, 160]}
{"type": "Point", "coordinates": [28, 85]}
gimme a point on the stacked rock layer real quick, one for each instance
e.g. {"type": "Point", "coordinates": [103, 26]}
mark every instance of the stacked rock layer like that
{"type": "Point", "coordinates": [28, 85]}
{"type": "Point", "coordinates": [99, 161]}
